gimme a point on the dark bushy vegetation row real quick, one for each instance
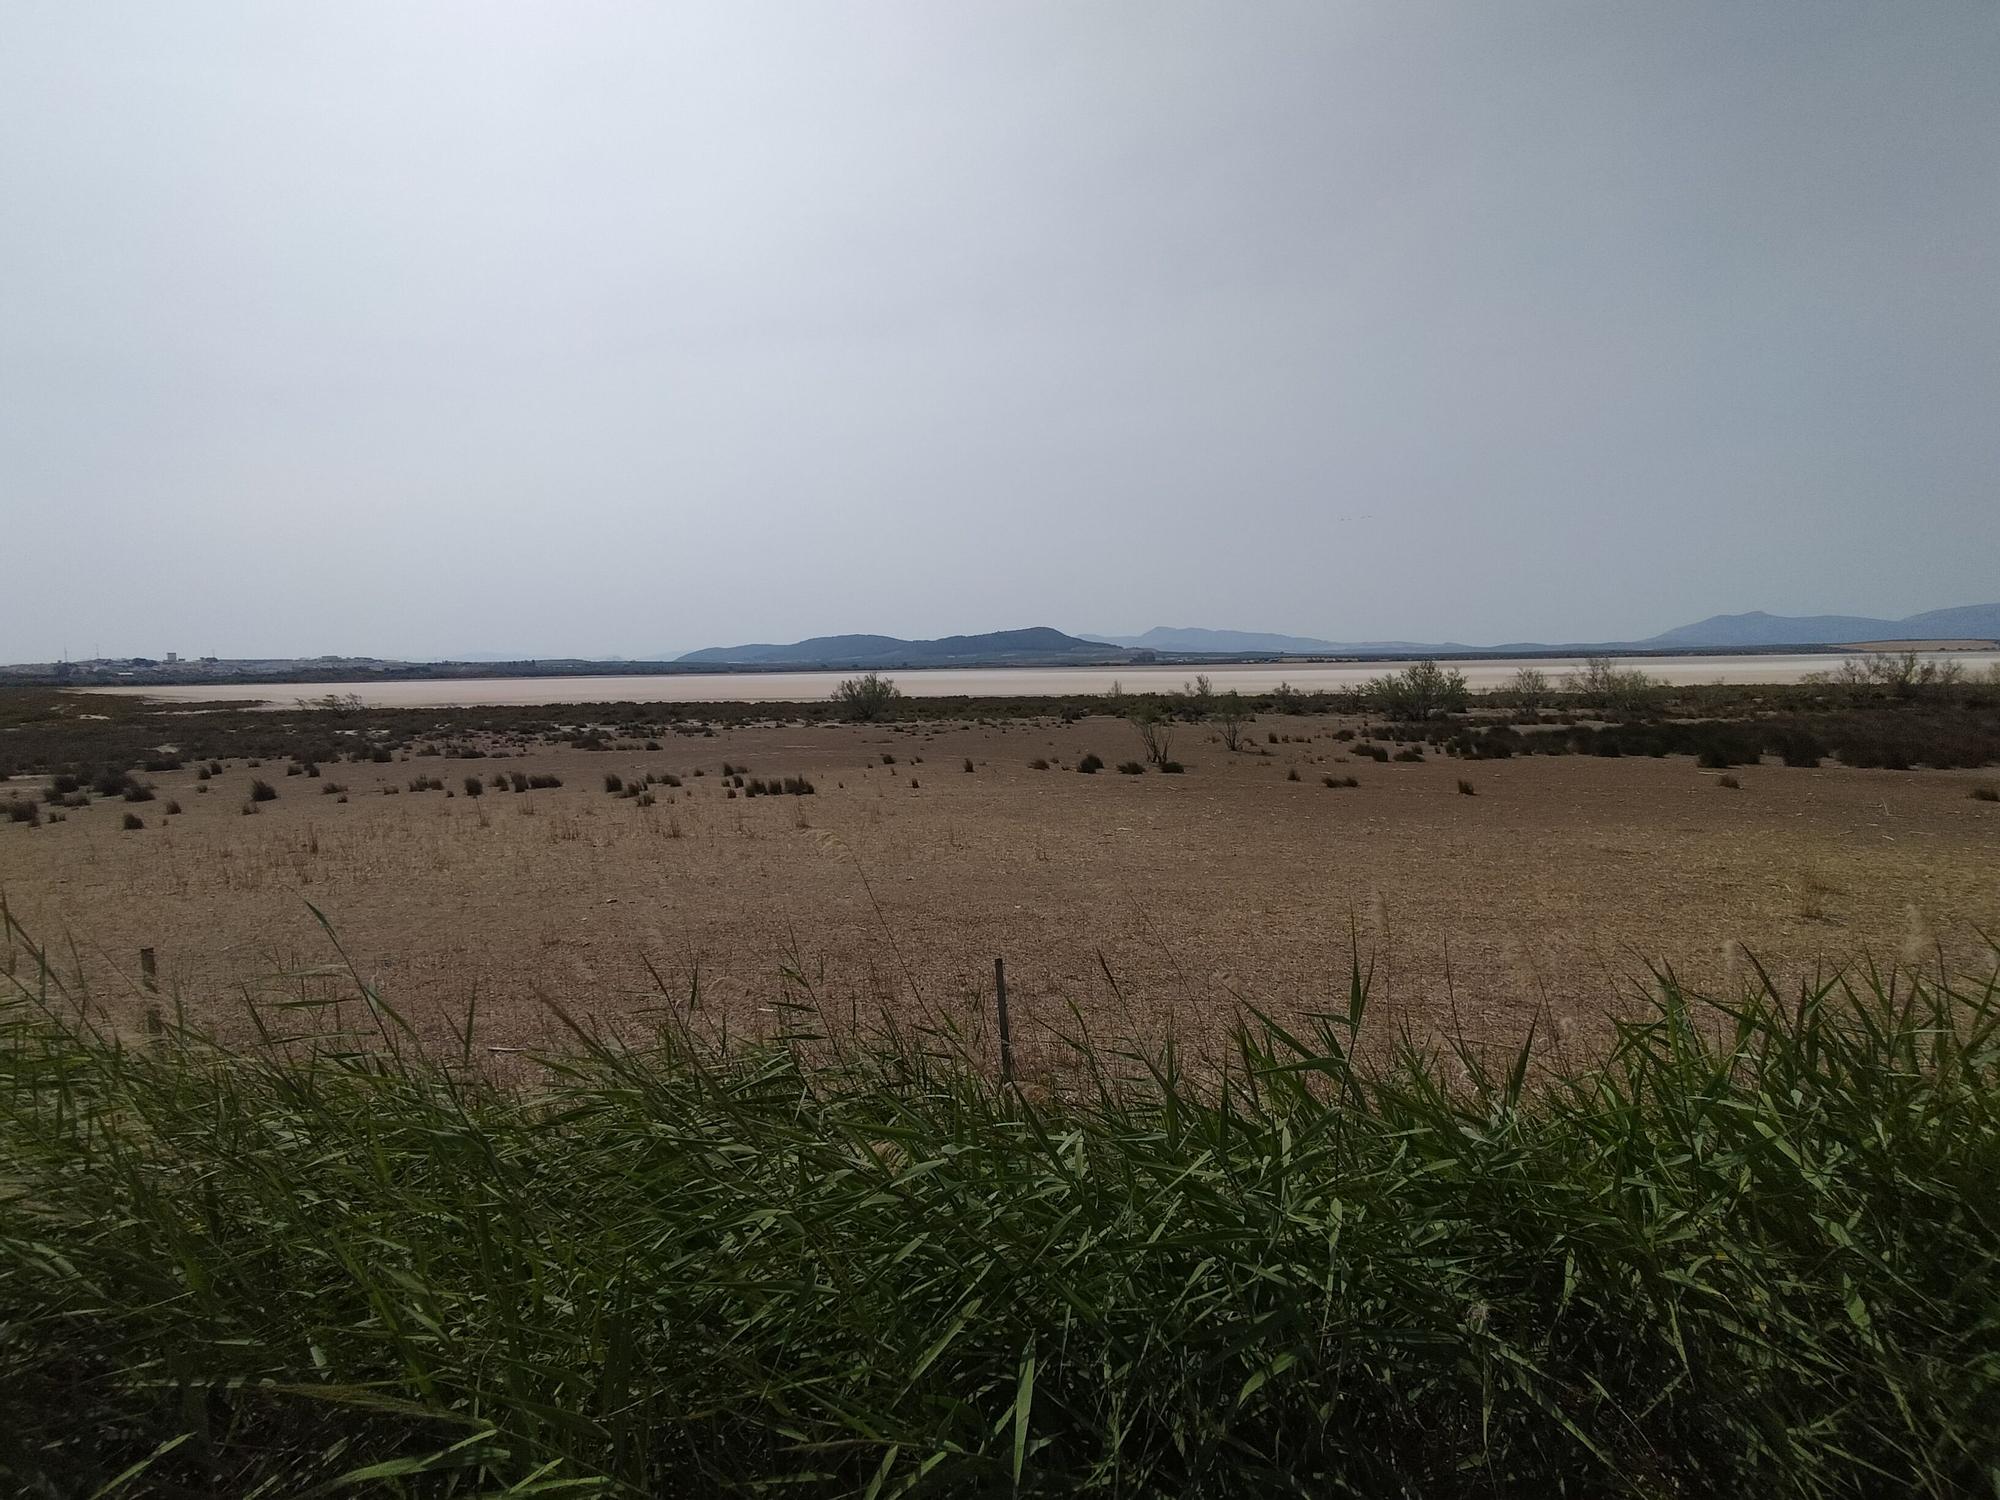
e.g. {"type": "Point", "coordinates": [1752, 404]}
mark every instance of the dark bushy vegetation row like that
{"type": "Point", "coordinates": [1753, 1253]}
{"type": "Point", "coordinates": [46, 732]}
{"type": "Point", "coordinates": [1898, 739]}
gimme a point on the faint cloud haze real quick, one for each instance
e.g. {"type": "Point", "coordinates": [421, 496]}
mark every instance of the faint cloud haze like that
{"type": "Point", "coordinates": [608, 328]}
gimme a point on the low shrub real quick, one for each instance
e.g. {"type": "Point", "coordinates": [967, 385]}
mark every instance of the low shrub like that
{"type": "Point", "coordinates": [1131, 768]}
{"type": "Point", "coordinates": [133, 820]}
{"type": "Point", "coordinates": [1090, 765]}
{"type": "Point", "coordinates": [263, 791]}
{"type": "Point", "coordinates": [867, 698]}
{"type": "Point", "coordinates": [1423, 690]}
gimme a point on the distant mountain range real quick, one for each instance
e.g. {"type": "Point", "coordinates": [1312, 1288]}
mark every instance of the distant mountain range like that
{"type": "Point", "coordinates": [1970, 622]}
{"type": "Point", "coordinates": [1036, 646]}
{"type": "Point", "coordinates": [1757, 630]}
{"type": "Point", "coordinates": [1042, 646]}
{"type": "Point", "coordinates": [1186, 638]}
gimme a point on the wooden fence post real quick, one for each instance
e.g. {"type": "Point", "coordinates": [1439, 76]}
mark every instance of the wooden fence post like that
{"type": "Point", "coordinates": [149, 979]}
{"type": "Point", "coordinates": [1006, 1033]}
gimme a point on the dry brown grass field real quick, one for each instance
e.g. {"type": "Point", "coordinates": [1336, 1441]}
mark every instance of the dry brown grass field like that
{"type": "Point", "coordinates": [1155, 904]}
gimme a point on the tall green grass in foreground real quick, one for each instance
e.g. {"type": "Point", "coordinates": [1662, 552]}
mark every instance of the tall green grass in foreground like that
{"type": "Point", "coordinates": [1752, 1252]}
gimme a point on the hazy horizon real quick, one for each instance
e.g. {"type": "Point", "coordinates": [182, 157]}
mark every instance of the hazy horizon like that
{"type": "Point", "coordinates": [616, 330]}
{"type": "Point", "coordinates": [1108, 637]}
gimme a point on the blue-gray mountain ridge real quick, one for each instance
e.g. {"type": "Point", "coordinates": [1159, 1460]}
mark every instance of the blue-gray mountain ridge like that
{"type": "Point", "coordinates": [1042, 646]}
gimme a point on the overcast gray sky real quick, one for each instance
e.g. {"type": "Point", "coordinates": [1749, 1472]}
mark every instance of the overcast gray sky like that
{"type": "Point", "coordinates": [419, 329]}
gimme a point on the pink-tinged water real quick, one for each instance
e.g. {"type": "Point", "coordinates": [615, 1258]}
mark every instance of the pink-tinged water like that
{"type": "Point", "coordinates": [977, 682]}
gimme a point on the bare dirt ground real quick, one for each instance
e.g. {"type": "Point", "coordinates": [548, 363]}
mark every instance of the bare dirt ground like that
{"type": "Point", "coordinates": [1155, 903]}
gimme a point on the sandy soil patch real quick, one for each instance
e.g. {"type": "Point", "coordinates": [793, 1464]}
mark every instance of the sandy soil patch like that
{"type": "Point", "coordinates": [1155, 904]}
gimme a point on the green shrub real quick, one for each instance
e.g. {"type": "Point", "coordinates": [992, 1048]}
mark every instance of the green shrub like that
{"type": "Point", "coordinates": [1605, 685]}
{"type": "Point", "coordinates": [1422, 690]}
{"type": "Point", "coordinates": [866, 698]}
